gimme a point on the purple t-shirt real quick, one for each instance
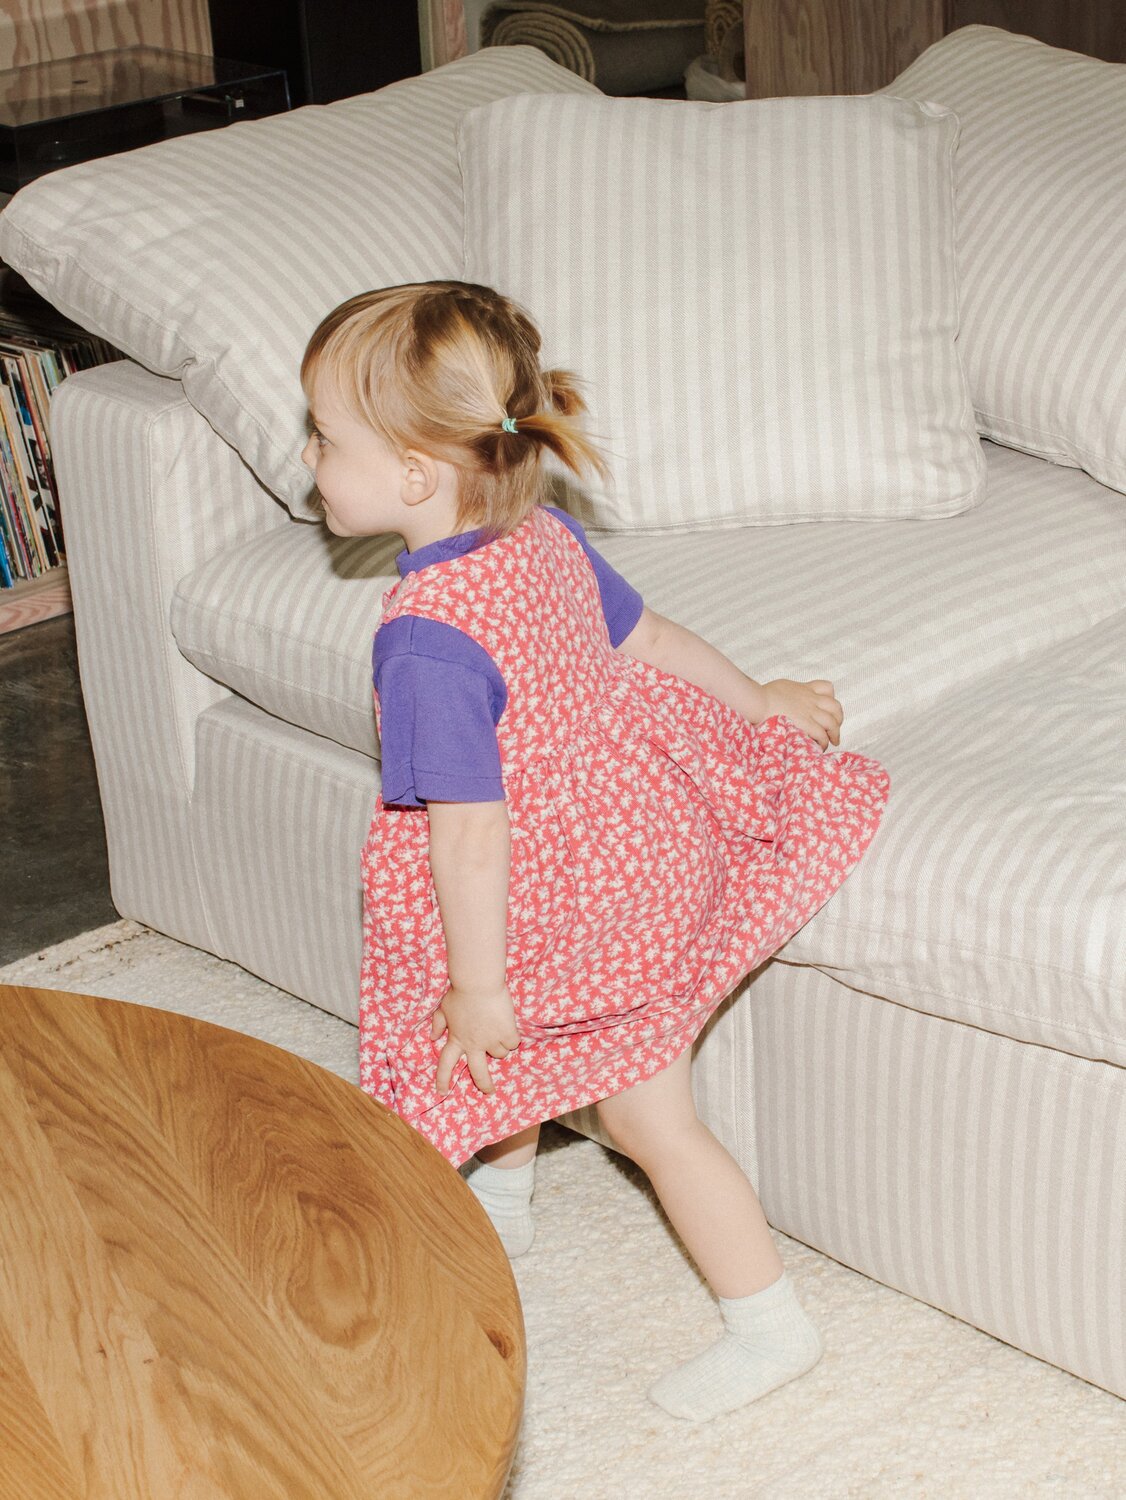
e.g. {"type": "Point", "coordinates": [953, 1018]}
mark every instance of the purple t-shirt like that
{"type": "Point", "coordinates": [441, 694]}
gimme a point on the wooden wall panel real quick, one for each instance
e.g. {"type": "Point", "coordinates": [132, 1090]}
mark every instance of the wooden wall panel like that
{"type": "Point", "coordinates": [1097, 27]}
{"type": "Point", "coordinates": [42, 30]}
{"type": "Point", "coordinates": [856, 46]}
{"type": "Point", "coordinates": [834, 46]}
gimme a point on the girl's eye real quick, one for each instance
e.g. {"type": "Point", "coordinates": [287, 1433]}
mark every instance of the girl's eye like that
{"type": "Point", "coordinates": [320, 437]}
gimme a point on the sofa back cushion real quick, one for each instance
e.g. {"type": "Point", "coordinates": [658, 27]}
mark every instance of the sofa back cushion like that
{"type": "Point", "coordinates": [212, 257]}
{"type": "Point", "coordinates": [1041, 198]}
{"type": "Point", "coordinates": [761, 296]}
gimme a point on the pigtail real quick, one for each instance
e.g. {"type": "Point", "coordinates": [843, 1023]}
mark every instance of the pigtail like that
{"type": "Point", "coordinates": [556, 426]}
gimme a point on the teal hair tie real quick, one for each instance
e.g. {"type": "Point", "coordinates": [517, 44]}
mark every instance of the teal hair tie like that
{"type": "Point", "coordinates": [509, 424]}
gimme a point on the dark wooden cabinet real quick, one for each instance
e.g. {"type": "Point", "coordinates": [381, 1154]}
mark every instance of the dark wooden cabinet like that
{"type": "Point", "coordinates": [1097, 27]}
{"type": "Point", "coordinates": [330, 49]}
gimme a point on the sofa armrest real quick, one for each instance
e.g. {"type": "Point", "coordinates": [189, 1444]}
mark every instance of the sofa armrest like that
{"type": "Point", "coordinates": [148, 491]}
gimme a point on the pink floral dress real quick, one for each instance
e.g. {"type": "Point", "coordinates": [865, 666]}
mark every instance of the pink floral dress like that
{"type": "Point", "coordinates": [662, 848]}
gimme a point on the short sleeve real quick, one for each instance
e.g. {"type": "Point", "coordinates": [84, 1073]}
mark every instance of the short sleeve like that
{"type": "Point", "coordinates": [437, 731]}
{"type": "Point", "coordinates": [621, 602]}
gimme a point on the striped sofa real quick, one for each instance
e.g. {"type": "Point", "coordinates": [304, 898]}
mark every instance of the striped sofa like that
{"type": "Point", "coordinates": [928, 1082]}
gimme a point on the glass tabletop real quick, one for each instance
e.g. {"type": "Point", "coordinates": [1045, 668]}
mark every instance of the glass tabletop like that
{"type": "Point", "coordinates": [104, 80]}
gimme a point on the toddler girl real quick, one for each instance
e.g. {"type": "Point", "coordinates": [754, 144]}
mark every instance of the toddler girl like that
{"type": "Point", "coordinates": [591, 824]}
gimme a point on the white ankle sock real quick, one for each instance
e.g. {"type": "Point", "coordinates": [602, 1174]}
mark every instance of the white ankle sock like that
{"type": "Point", "coordinates": [505, 1193]}
{"type": "Point", "coordinates": [767, 1340]}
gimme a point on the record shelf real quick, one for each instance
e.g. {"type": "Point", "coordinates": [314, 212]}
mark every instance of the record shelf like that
{"type": "Point", "coordinates": [38, 349]}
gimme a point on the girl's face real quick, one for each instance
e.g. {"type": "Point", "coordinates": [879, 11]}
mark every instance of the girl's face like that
{"type": "Point", "coordinates": [360, 479]}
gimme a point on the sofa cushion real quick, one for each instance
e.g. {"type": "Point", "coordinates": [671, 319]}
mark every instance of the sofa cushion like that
{"type": "Point", "coordinates": [994, 892]}
{"type": "Point", "coordinates": [212, 257]}
{"type": "Point", "coordinates": [895, 615]}
{"type": "Point", "coordinates": [760, 295]}
{"type": "Point", "coordinates": [1041, 199]}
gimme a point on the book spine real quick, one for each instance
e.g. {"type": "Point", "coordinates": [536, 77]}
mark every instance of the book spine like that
{"type": "Point", "coordinates": [21, 478]}
{"type": "Point", "coordinates": [54, 370]}
{"type": "Point", "coordinates": [29, 469]}
{"type": "Point", "coordinates": [18, 548]}
{"type": "Point", "coordinates": [40, 410]}
{"type": "Point", "coordinates": [21, 554]}
{"type": "Point", "coordinates": [7, 550]}
{"type": "Point", "coordinates": [18, 561]}
{"type": "Point", "coordinates": [39, 467]}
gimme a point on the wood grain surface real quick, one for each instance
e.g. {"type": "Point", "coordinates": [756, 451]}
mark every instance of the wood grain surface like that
{"type": "Point", "coordinates": [797, 47]}
{"type": "Point", "coordinates": [226, 1272]}
{"type": "Point", "coordinates": [834, 46]}
{"type": "Point", "coordinates": [35, 599]}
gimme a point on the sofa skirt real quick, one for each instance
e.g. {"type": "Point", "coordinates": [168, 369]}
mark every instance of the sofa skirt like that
{"type": "Point", "coordinates": [979, 1174]}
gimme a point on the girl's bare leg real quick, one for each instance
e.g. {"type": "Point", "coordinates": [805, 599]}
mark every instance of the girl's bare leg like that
{"type": "Point", "coordinates": [767, 1338]}
{"type": "Point", "coordinates": [516, 1151]}
{"type": "Point", "coordinates": [711, 1204]}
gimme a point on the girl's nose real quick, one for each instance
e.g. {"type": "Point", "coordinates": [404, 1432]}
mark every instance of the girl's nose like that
{"type": "Point", "coordinates": [306, 454]}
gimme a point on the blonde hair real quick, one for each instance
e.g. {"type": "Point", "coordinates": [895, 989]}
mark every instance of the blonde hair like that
{"type": "Point", "coordinates": [439, 365]}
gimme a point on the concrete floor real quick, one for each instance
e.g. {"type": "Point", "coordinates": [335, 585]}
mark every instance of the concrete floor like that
{"type": "Point", "coordinates": [54, 874]}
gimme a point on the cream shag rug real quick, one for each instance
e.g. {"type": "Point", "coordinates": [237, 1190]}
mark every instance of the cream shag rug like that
{"type": "Point", "coordinates": [906, 1401]}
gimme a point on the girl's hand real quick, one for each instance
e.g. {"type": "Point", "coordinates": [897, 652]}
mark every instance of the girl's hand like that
{"type": "Point", "coordinates": [481, 1024]}
{"type": "Point", "coordinates": [810, 705]}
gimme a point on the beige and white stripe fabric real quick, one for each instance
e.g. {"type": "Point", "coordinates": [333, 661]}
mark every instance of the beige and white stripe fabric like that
{"type": "Point", "coordinates": [212, 257]}
{"type": "Point", "coordinates": [278, 818]}
{"type": "Point", "coordinates": [980, 1174]}
{"type": "Point", "coordinates": [287, 620]}
{"type": "Point", "coordinates": [148, 491]}
{"type": "Point", "coordinates": [895, 615]}
{"type": "Point", "coordinates": [1041, 204]}
{"type": "Point", "coordinates": [760, 295]}
{"type": "Point", "coordinates": [994, 892]}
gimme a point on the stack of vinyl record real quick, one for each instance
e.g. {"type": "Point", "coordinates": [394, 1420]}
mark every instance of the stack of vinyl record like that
{"type": "Point", "coordinates": [36, 356]}
{"type": "Point", "coordinates": [621, 46]}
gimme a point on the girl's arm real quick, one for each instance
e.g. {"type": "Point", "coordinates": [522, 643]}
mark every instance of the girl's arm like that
{"type": "Point", "coordinates": [470, 853]}
{"type": "Point", "coordinates": [674, 648]}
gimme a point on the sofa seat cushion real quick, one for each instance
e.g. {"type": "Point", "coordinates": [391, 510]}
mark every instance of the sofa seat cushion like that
{"type": "Point", "coordinates": [894, 613]}
{"type": "Point", "coordinates": [287, 621]}
{"type": "Point", "coordinates": [994, 892]}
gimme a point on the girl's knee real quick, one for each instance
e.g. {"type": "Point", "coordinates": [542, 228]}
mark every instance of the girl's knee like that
{"type": "Point", "coordinates": [651, 1116]}
{"type": "Point", "coordinates": [646, 1138]}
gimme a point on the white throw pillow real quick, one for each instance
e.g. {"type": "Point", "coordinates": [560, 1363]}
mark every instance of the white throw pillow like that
{"type": "Point", "coordinates": [1041, 195]}
{"type": "Point", "coordinates": [213, 257]}
{"type": "Point", "coordinates": [761, 296]}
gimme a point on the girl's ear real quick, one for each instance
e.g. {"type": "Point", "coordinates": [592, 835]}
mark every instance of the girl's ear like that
{"type": "Point", "coordinates": [421, 476]}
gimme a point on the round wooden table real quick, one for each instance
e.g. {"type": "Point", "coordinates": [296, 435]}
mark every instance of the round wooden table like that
{"type": "Point", "coordinates": [226, 1272]}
